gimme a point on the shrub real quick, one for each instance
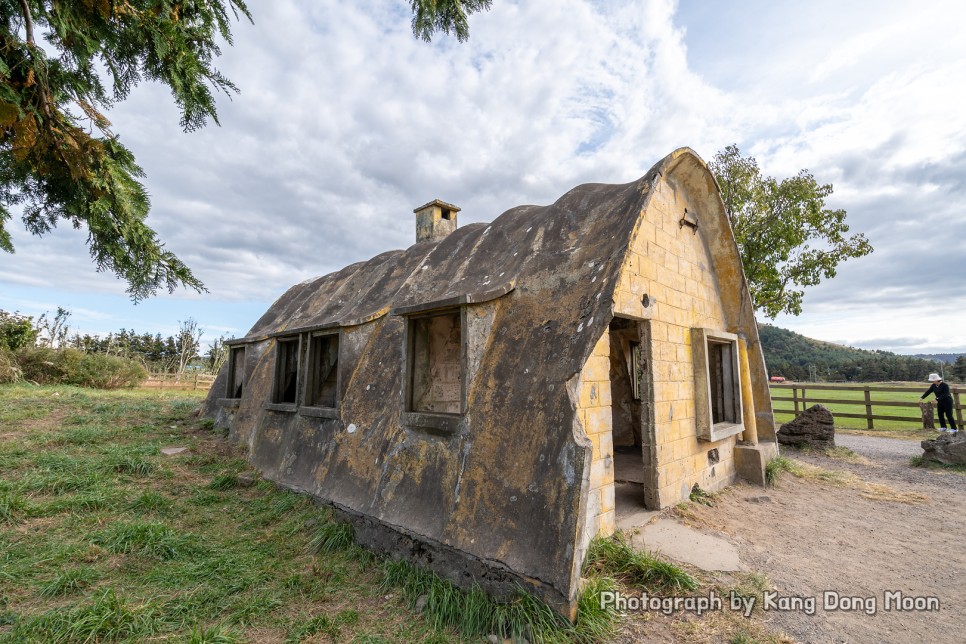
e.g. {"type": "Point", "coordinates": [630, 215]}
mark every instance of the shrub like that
{"type": "Point", "coordinates": [74, 367]}
{"type": "Point", "coordinates": [16, 331]}
{"type": "Point", "coordinates": [9, 369]}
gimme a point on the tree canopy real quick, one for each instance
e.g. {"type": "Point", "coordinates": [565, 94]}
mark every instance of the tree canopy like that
{"type": "Point", "coordinates": [959, 369]}
{"type": "Point", "coordinates": [64, 63]}
{"type": "Point", "coordinates": [788, 238]}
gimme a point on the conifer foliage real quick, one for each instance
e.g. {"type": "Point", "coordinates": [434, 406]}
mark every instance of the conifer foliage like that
{"type": "Point", "coordinates": [63, 63]}
{"type": "Point", "coordinates": [446, 16]}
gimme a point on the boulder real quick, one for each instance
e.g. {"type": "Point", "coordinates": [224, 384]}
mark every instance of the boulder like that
{"type": "Point", "coordinates": [247, 479]}
{"type": "Point", "coordinates": [814, 427]}
{"type": "Point", "coordinates": [949, 449]}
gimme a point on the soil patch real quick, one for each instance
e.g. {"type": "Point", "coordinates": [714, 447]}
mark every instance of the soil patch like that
{"type": "Point", "coordinates": [814, 537]}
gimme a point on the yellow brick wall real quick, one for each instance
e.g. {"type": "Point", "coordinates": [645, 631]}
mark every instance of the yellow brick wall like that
{"type": "Point", "coordinates": [670, 264]}
{"type": "Point", "coordinates": [595, 415]}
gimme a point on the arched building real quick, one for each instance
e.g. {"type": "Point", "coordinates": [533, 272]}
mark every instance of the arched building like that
{"type": "Point", "coordinates": [489, 399]}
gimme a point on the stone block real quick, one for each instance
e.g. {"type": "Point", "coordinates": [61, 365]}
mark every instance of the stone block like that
{"type": "Point", "coordinates": [598, 420]}
{"type": "Point", "coordinates": [602, 348]}
{"type": "Point", "coordinates": [607, 498]}
{"type": "Point", "coordinates": [606, 444]}
{"type": "Point", "coordinates": [750, 461]}
{"type": "Point", "coordinates": [608, 523]}
{"type": "Point", "coordinates": [602, 473]}
{"type": "Point", "coordinates": [597, 368]}
{"type": "Point", "coordinates": [589, 394]}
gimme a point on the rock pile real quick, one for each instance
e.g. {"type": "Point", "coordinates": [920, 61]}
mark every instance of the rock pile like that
{"type": "Point", "coordinates": [814, 427]}
{"type": "Point", "coordinates": [949, 449]}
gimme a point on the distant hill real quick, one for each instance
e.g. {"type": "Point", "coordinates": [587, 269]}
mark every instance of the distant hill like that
{"type": "Point", "coordinates": [948, 358]}
{"type": "Point", "coordinates": [797, 357]}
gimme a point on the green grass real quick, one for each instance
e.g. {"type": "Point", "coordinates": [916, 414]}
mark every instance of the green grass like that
{"type": "Point", "coordinates": [915, 461]}
{"type": "Point", "coordinates": [699, 495]}
{"type": "Point", "coordinates": [474, 614]}
{"type": "Point", "coordinates": [69, 581]}
{"type": "Point", "coordinates": [615, 557]}
{"type": "Point", "coordinates": [780, 464]}
{"type": "Point", "coordinates": [104, 539]}
{"type": "Point", "coordinates": [776, 467]}
{"type": "Point", "coordinates": [332, 537]}
{"type": "Point", "coordinates": [107, 616]}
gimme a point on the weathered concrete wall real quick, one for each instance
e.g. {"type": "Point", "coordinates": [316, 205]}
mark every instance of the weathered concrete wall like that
{"type": "Point", "coordinates": [595, 414]}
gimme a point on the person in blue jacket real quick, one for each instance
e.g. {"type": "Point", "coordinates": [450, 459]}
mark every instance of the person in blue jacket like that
{"type": "Point", "coordinates": [944, 401]}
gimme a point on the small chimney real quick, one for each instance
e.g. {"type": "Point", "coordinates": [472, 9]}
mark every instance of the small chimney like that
{"type": "Point", "coordinates": [435, 220]}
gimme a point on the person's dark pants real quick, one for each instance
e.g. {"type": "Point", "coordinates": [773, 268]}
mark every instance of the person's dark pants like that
{"type": "Point", "coordinates": [945, 408]}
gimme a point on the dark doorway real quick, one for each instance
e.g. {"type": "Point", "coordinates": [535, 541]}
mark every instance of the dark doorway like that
{"type": "Point", "coordinates": [632, 426]}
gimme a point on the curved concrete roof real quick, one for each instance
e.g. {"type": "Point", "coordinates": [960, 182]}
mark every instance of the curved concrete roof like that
{"type": "Point", "coordinates": [527, 247]}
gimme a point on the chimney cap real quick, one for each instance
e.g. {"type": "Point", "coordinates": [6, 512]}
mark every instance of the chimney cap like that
{"type": "Point", "coordinates": [441, 204]}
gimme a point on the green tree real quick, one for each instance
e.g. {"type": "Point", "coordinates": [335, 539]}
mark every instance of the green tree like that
{"type": "Point", "coordinates": [217, 354]}
{"type": "Point", "coordinates": [16, 331]}
{"type": "Point", "coordinates": [787, 237]}
{"type": "Point", "coordinates": [59, 159]}
{"type": "Point", "coordinates": [959, 368]}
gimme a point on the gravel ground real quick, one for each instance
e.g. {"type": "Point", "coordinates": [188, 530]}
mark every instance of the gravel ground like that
{"type": "Point", "coordinates": [888, 461]}
{"type": "Point", "coordinates": [812, 537]}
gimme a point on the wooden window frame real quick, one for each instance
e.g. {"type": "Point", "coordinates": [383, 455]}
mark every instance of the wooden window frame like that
{"type": "Point", "coordinates": [232, 364]}
{"type": "Point", "coordinates": [705, 426]}
{"type": "Point", "coordinates": [276, 404]}
{"type": "Point", "coordinates": [431, 420]}
{"type": "Point", "coordinates": [309, 381]}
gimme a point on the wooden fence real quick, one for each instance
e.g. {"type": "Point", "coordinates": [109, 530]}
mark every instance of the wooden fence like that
{"type": "Point", "coordinates": [801, 399]}
{"type": "Point", "coordinates": [179, 381]}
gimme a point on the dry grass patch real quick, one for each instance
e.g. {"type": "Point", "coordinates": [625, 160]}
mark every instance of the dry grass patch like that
{"type": "Point", "coordinates": [908, 433]}
{"type": "Point", "coordinates": [838, 478]}
{"type": "Point", "coordinates": [845, 454]}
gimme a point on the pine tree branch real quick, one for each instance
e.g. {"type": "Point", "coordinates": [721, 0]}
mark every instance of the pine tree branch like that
{"type": "Point", "coordinates": [32, 45]}
{"type": "Point", "coordinates": [28, 22]}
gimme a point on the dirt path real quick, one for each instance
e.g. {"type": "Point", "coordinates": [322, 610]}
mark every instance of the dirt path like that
{"type": "Point", "coordinates": [812, 537]}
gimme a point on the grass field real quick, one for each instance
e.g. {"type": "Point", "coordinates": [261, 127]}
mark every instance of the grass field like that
{"type": "Point", "coordinates": [104, 538]}
{"type": "Point", "coordinates": [911, 396]}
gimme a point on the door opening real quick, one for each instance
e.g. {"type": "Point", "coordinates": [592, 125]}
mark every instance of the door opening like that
{"type": "Point", "coordinates": [632, 426]}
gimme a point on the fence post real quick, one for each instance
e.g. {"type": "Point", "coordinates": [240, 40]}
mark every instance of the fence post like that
{"type": "Point", "coordinates": [196, 382]}
{"type": "Point", "coordinates": [804, 404]}
{"type": "Point", "coordinates": [868, 408]}
{"type": "Point", "coordinates": [927, 420]}
{"type": "Point", "coordinates": [795, 396]}
{"type": "Point", "coordinates": [959, 411]}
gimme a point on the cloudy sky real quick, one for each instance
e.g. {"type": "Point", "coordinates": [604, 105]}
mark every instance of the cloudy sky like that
{"type": "Point", "coordinates": [346, 123]}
